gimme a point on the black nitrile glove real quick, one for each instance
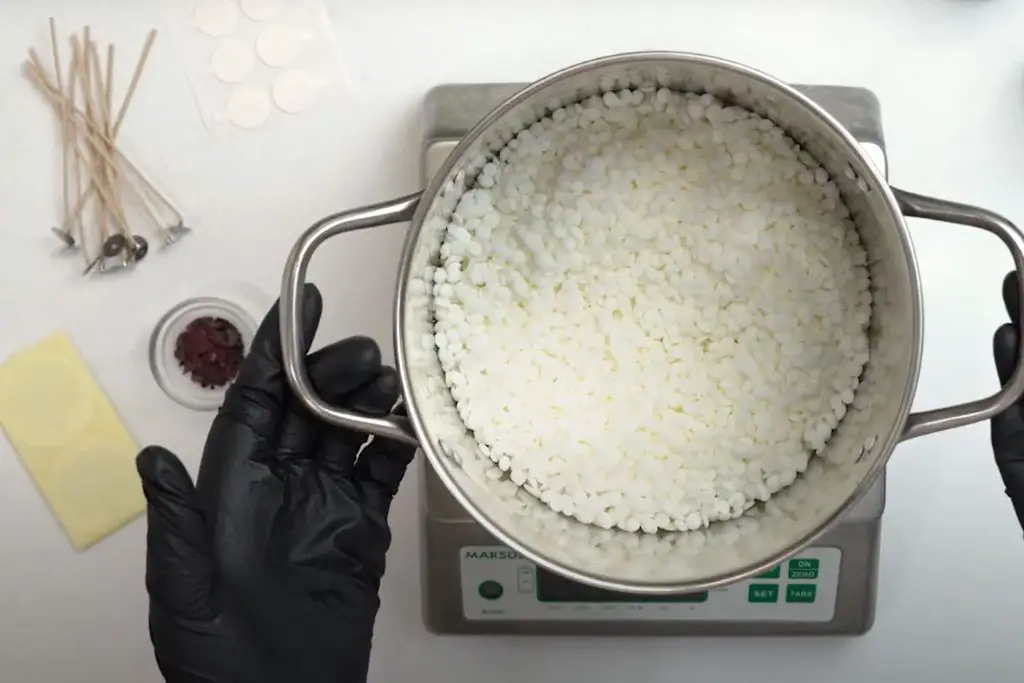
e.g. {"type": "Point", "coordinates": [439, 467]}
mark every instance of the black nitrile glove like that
{"type": "Point", "coordinates": [268, 569]}
{"type": "Point", "coordinates": [1008, 427]}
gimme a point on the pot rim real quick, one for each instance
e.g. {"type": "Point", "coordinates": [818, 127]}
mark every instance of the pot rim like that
{"type": "Point", "coordinates": [877, 182]}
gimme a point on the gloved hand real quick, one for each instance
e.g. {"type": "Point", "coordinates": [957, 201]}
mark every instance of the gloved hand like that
{"type": "Point", "coordinates": [1008, 427]}
{"type": "Point", "coordinates": [268, 568]}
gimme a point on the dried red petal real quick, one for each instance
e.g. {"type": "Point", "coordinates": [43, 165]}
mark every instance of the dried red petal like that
{"type": "Point", "coordinates": [210, 351]}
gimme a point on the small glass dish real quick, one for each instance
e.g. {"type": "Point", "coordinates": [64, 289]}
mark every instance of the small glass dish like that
{"type": "Point", "coordinates": [167, 370]}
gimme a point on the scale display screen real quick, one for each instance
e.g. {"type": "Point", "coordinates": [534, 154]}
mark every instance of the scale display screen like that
{"type": "Point", "coordinates": [553, 588]}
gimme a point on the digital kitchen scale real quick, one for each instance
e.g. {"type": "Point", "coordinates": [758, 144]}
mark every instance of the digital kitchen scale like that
{"type": "Point", "coordinates": [474, 585]}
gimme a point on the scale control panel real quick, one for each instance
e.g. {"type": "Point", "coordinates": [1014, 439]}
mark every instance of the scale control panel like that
{"type": "Point", "coordinates": [500, 584]}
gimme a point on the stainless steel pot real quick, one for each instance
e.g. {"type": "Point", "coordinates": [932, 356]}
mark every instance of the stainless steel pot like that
{"type": "Point", "coordinates": [727, 551]}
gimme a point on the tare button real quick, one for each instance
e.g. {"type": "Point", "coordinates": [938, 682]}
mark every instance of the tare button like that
{"type": "Point", "coordinates": [803, 569]}
{"type": "Point", "coordinates": [801, 592]}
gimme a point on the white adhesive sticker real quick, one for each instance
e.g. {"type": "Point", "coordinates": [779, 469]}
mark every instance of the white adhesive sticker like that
{"type": "Point", "coordinates": [279, 46]}
{"type": "Point", "coordinates": [256, 44]}
{"type": "Point", "coordinates": [248, 107]}
{"type": "Point", "coordinates": [232, 61]}
{"type": "Point", "coordinates": [261, 10]}
{"type": "Point", "coordinates": [215, 18]}
{"type": "Point", "coordinates": [296, 91]}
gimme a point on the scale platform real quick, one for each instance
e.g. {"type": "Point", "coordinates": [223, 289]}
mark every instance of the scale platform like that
{"type": "Point", "coordinates": [472, 584]}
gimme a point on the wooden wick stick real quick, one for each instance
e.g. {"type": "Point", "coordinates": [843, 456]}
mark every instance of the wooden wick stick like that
{"type": "Point", "coordinates": [107, 165]}
{"type": "Point", "coordinates": [84, 193]}
{"type": "Point", "coordinates": [147, 205]}
{"type": "Point", "coordinates": [134, 84]}
{"type": "Point", "coordinates": [71, 102]}
{"type": "Point", "coordinates": [39, 78]}
{"type": "Point", "coordinates": [58, 72]}
{"type": "Point", "coordinates": [133, 183]}
{"type": "Point", "coordinates": [140, 189]}
{"type": "Point", "coordinates": [112, 136]}
{"type": "Point", "coordinates": [91, 157]}
{"type": "Point", "coordinates": [74, 220]}
{"type": "Point", "coordinates": [146, 183]}
{"type": "Point", "coordinates": [108, 128]}
{"type": "Point", "coordinates": [46, 88]}
{"type": "Point", "coordinates": [95, 163]}
{"type": "Point", "coordinates": [108, 91]}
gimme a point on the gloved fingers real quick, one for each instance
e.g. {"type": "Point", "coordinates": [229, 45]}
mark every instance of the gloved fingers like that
{"type": "Point", "coordinates": [335, 371]}
{"type": "Point", "coordinates": [379, 471]}
{"type": "Point", "coordinates": [179, 573]}
{"type": "Point", "coordinates": [1008, 427]}
{"type": "Point", "coordinates": [377, 397]}
{"type": "Point", "coordinates": [339, 447]}
{"type": "Point", "coordinates": [258, 397]}
{"type": "Point", "coordinates": [1013, 479]}
{"type": "Point", "coordinates": [382, 464]}
{"type": "Point", "coordinates": [1011, 297]}
{"type": "Point", "coordinates": [1004, 350]}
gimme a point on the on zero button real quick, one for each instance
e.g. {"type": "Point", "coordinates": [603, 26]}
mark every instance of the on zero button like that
{"type": "Point", "coordinates": [803, 568]}
{"type": "Point", "coordinates": [490, 590]}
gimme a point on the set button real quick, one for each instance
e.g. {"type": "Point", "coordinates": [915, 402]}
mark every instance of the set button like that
{"type": "Point", "coordinates": [763, 592]}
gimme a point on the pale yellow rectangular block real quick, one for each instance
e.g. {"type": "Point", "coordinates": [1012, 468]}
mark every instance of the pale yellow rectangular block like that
{"type": "Point", "coordinates": [70, 440]}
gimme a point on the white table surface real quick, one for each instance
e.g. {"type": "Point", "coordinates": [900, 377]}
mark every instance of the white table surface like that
{"type": "Point", "coordinates": [950, 75]}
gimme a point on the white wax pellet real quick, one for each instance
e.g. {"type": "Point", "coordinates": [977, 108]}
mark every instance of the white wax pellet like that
{"type": "Point", "coordinates": [653, 306]}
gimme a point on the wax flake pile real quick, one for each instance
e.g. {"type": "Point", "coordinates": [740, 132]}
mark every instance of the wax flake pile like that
{"type": "Point", "coordinates": [651, 310]}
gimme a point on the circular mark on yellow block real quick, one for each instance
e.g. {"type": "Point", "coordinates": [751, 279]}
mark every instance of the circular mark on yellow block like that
{"type": "Point", "coordinates": [96, 486]}
{"type": "Point", "coordinates": [52, 406]}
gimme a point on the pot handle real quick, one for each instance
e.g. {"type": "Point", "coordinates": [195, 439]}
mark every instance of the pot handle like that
{"type": "Point", "coordinates": [395, 211]}
{"type": "Point", "coordinates": [940, 419]}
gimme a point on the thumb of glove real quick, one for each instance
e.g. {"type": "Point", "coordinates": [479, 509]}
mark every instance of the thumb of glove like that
{"type": "Point", "coordinates": [179, 571]}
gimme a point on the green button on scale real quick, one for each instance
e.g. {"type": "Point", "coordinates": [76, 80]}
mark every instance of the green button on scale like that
{"type": "Point", "coordinates": [490, 590]}
{"type": "Point", "coordinates": [801, 568]}
{"type": "Point", "coordinates": [763, 592]}
{"type": "Point", "coordinates": [801, 592]}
